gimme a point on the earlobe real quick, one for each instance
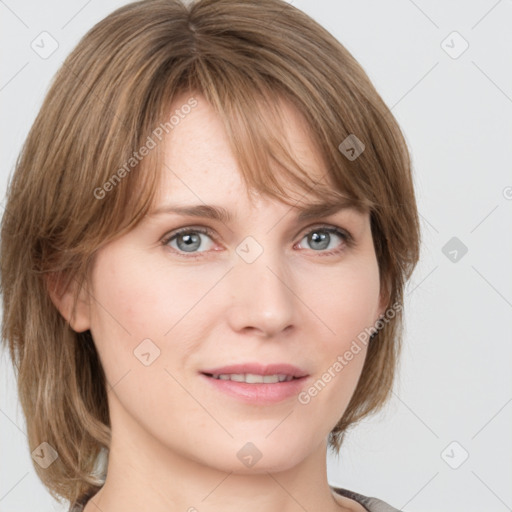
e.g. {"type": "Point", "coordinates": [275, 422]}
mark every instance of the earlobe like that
{"type": "Point", "coordinates": [61, 291]}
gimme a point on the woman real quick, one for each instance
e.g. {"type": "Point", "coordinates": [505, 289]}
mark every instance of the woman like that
{"type": "Point", "coordinates": [204, 250]}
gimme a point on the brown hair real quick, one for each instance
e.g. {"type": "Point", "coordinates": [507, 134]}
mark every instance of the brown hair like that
{"type": "Point", "coordinates": [106, 101]}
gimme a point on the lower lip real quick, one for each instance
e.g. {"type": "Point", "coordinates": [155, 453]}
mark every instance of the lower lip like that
{"type": "Point", "coordinates": [260, 393]}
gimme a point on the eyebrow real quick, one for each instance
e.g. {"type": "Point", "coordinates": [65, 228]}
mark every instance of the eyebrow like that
{"type": "Point", "coordinates": [219, 213]}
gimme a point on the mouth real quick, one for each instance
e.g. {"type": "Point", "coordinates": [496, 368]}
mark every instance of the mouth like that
{"type": "Point", "coordinates": [257, 384]}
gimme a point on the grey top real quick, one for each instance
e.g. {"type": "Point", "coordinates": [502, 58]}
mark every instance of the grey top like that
{"type": "Point", "coordinates": [370, 504]}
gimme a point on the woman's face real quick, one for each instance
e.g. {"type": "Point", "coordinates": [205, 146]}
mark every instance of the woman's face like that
{"type": "Point", "coordinates": [264, 293]}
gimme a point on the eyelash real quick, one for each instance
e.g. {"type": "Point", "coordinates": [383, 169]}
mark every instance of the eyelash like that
{"type": "Point", "coordinates": [343, 234]}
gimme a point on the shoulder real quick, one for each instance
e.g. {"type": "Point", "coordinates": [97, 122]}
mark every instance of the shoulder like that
{"type": "Point", "coordinates": [369, 503]}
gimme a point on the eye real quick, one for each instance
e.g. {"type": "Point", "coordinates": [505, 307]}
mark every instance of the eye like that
{"type": "Point", "coordinates": [192, 241]}
{"type": "Point", "coordinates": [321, 238]}
{"type": "Point", "coordinates": [188, 240]}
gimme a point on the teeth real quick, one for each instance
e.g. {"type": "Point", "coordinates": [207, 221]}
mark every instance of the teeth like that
{"type": "Point", "coordinates": [251, 378]}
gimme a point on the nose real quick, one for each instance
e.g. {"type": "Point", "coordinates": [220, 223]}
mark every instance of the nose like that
{"type": "Point", "coordinates": [262, 300]}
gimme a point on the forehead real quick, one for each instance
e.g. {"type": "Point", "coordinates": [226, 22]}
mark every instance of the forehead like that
{"type": "Point", "coordinates": [199, 163]}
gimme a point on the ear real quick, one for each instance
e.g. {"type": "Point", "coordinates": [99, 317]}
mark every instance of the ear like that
{"type": "Point", "coordinates": [61, 290]}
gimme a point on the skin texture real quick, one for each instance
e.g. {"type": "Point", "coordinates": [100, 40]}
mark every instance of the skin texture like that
{"type": "Point", "coordinates": [175, 438]}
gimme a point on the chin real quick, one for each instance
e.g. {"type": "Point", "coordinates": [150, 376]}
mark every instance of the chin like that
{"type": "Point", "coordinates": [257, 456]}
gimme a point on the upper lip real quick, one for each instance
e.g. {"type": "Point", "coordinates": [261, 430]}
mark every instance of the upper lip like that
{"type": "Point", "coordinates": [258, 369]}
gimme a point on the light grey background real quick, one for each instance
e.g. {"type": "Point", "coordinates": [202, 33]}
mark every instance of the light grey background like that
{"type": "Point", "coordinates": [455, 381]}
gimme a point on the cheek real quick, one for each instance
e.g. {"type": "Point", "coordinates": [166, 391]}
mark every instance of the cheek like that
{"type": "Point", "coordinates": [345, 300]}
{"type": "Point", "coordinates": [122, 308]}
{"type": "Point", "coordinates": [346, 306]}
{"type": "Point", "coordinates": [162, 302]}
